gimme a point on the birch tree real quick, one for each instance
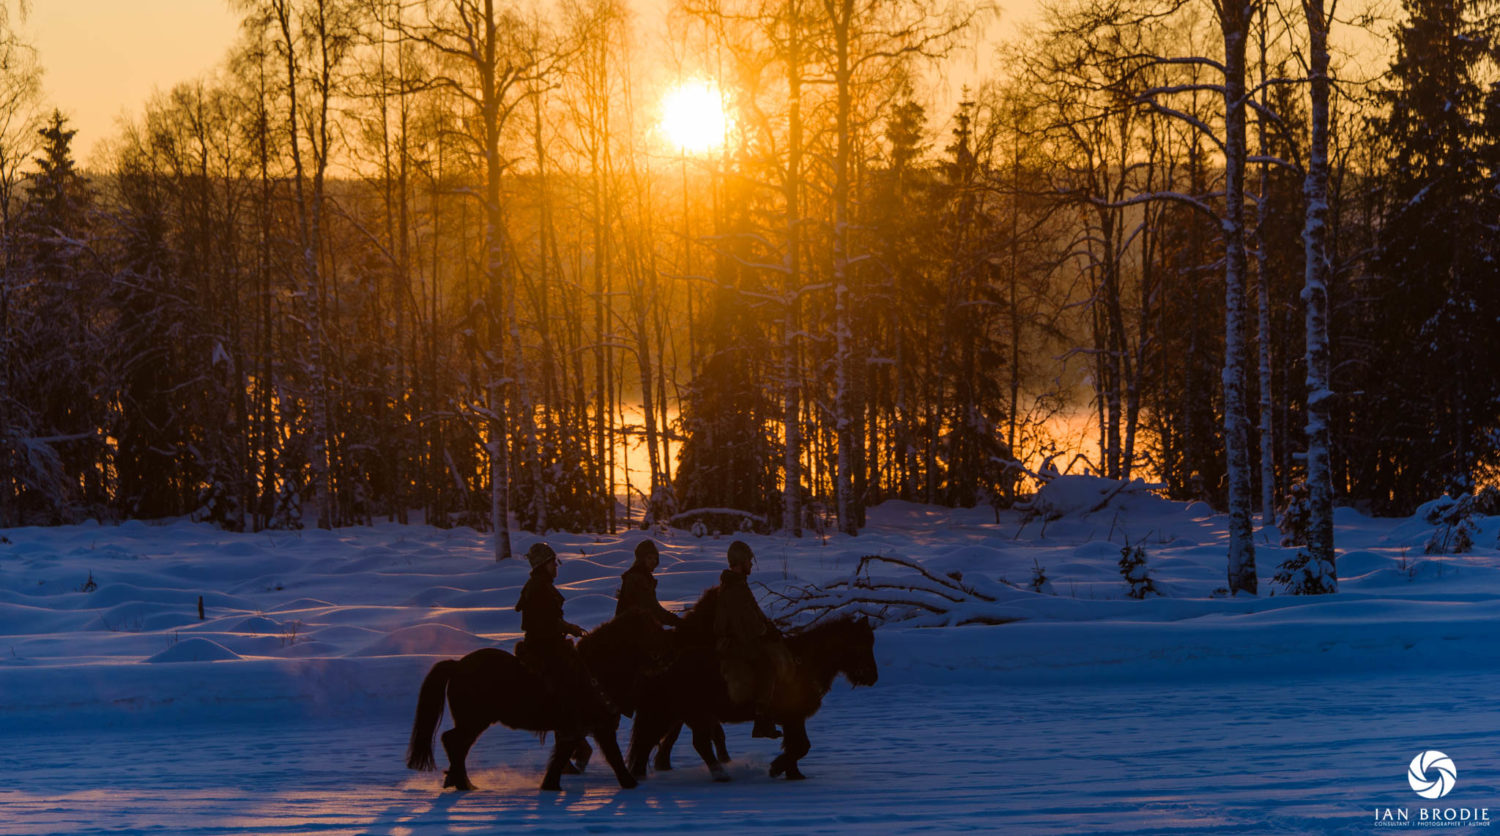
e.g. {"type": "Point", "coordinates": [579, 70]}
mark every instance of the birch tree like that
{"type": "Point", "coordinates": [1234, 18]}
{"type": "Point", "coordinates": [20, 94]}
{"type": "Point", "coordinates": [485, 43]}
{"type": "Point", "coordinates": [1315, 297]}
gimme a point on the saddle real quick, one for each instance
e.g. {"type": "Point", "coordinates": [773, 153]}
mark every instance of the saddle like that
{"type": "Point", "coordinates": [549, 675]}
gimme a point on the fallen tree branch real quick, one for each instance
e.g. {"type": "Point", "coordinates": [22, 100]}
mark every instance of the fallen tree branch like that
{"type": "Point", "coordinates": [928, 598]}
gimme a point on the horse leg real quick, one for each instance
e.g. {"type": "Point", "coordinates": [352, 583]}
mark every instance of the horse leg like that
{"type": "Point", "coordinates": [562, 746]}
{"type": "Point", "coordinates": [581, 754]}
{"type": "Point", "coordinates": [794, 747]}
{"type": "Point", "coordinates": [456, 742]}
{"type": "Point", "coordinates": [605, 737]}
{"type": "Point", "coordinates": [703, 741]}
{"type": "Point", "coordinates": [719, 748]}
{"type": "Point", "coordinates": [644, 734]}
{"type": "Point", "coordinates": [664, 751]}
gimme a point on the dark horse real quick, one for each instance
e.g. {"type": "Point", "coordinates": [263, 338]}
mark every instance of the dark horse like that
{"type": "Point", "coordinates": [491, 686]}
{"type": "Point", "coordinates": [692, 692]}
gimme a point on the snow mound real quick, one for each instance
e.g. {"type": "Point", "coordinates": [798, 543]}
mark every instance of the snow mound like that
{"type": "Point", "coordinates": [428, 639]}
{"type": "Point", "coordinates": [1355, 564]}
{"type": "Point", "coordinates": [144, 616]}
{"type": "Point", "coordinates": [436, 596]}
{"type": "Point", "coordinates": [303, 604]}
{"type": "Point", "coordinates": [258, 624]}
{"type": "Point", "coordinates": [241, 549]}
{"type": "Point", "coordinates": [1065, 496]}
{"type": "Point", "coordinates": [195, 650]}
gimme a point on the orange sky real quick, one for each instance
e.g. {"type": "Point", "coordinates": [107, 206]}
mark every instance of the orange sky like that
{"type": "Point", "coordinates": [103, 58]}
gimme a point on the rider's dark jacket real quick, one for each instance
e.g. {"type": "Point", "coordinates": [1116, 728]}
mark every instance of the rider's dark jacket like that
{"type": "Point", "coordinates": [541, 608]}
{"type": "Point", "coordinates": [739, 625]}
{"type": "Point", "coordinates": [638, 594]}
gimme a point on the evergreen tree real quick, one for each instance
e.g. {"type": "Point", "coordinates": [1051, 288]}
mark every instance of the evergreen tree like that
{"type": "Point", "coordinates": [1437, 297]}
{"type": "Point", "coordinates": [56, 360]}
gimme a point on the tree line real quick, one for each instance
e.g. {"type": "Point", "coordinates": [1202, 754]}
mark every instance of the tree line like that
{"type": "Point", "coordinates": [436, 256]}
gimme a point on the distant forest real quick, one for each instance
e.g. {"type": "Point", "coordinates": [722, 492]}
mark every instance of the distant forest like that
{"type": "Point", "coordinates": [439, 257]}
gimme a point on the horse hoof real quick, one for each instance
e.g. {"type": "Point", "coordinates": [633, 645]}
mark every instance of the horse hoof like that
{"type": "Point", "coordinates": [461, 785]}
{"type": "Point", "coordinates": [628, 782]}
{"type": "Point", "coordinates": [777, 769]}
{"type": "Point", "coordinates": [570, 769]}
{"type": "Point", "coordinates": [551, 786]}
{"type": "Point", "coordinates": [722, 777]}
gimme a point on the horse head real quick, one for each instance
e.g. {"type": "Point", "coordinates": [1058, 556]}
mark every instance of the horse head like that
{"type": "Point", "coordinates": [844, 645]}
{"type": "Point", "coordinates": [858, 661]}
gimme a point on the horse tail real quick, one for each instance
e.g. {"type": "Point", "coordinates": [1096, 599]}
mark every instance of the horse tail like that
{"type": "Point", "coordinates": [429, 713]}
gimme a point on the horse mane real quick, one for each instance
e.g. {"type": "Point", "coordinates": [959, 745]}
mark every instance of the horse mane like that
{"type": "Point", "coordinates": [618, 651]}
{"type": "Point", "coordinates": [820, 632]}
{"type": "Point", "coordinates": [698, 621]}
{"type": "Point", "coordinates": [623, 632]}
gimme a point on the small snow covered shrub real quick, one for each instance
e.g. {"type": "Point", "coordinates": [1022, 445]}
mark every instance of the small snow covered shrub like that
{"type": "Point", "coordinates": [1292, 516]}
{"type": "Point", "coordinates": [1487, 501]}
{"type": "Point", "coordinates": [287, 514]}
{"type": "Point", "coordinates": [1455, 524]}
{"type": "Point", "coordinates": [218, 505]}
{"type": "Point", "coordinates": [1133, 569]}
{"type": "Point", "coordinates": [1301, 575]}
{"type": "Point", "coordinates": [1039, 581]}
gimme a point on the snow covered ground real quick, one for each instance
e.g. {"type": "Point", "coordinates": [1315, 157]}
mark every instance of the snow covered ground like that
{"type": "Point", "coordinates": [286, 709]}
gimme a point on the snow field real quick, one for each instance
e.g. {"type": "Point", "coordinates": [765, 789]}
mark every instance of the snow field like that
{"type": "Point", "coordinates": [286, 709]}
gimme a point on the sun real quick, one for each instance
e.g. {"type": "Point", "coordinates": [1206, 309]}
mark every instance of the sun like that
{"type": "Point", "coordinates": [692, 117]}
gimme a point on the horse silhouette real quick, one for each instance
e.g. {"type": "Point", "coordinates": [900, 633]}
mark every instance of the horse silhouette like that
{"type": "Point", "coordinates": [691, 691]}
{"type": "Point", "coordinates": [492, 686]}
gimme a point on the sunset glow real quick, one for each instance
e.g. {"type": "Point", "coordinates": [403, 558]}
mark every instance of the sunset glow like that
{"type": "Point", "coordinates": [693, 118]}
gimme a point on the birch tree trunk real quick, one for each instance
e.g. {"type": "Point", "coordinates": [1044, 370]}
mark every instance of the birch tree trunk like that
{"type": "Point", "coordinates": [1315, 297]}
{"type": "Point", "coordinates": [791, 493]}
{"type": "Point", "coordinates": [1263, 304]}
{"type": "Point", "coordinates": [496, 270]}
{"type": "Point", "coordinates": [308, 223]}
{"type": "Point", "coordinates": [841, 13]}
{"type": "Point", "coordinates": [1234, 19]}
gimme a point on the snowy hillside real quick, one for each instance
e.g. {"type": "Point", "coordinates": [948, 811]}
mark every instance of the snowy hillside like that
{"type": "Point", "coordinates": [285, 707]}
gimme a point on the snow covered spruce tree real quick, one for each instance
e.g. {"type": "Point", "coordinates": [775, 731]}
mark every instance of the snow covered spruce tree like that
{"type": "Point", "coordinates": [1136, 572]}
{"type": "Point", "coordinates": [1435, 262]}
{"type": "Point", "coordinates": [54, 327]}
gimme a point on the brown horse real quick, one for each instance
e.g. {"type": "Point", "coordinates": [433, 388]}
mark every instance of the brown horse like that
{"type": "Point", "coordinates": [491, 686]}
{"type": "Point", "coordinates": [692, 692]}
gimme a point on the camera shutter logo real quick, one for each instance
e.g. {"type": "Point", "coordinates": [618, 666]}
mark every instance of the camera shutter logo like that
{"type": "Point", "coordinates": [1432, 774]}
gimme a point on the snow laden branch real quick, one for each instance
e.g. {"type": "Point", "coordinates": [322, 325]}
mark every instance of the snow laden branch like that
{"type": "Point", "coordinates": [892, 589]}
